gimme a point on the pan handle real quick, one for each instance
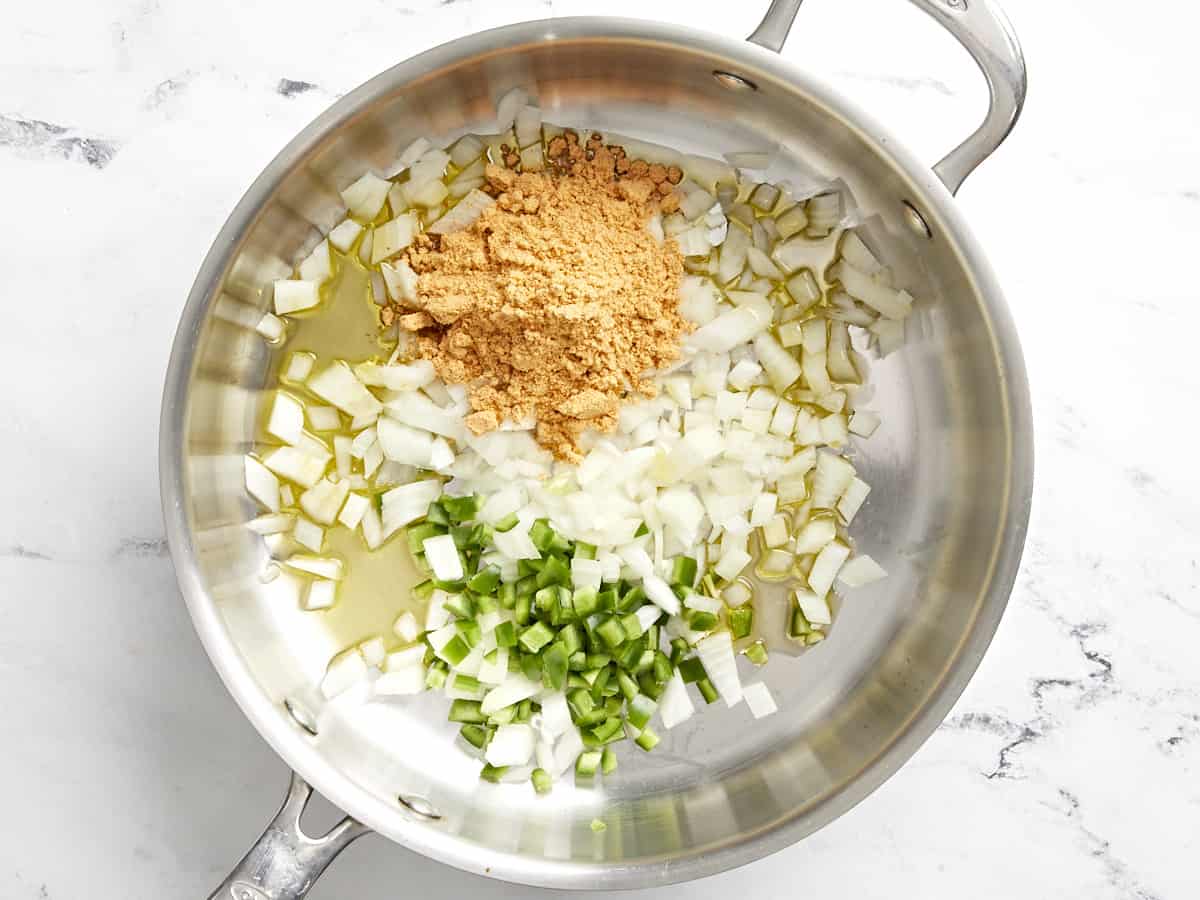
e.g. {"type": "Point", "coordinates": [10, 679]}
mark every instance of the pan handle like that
{"type": "Point", "coordinates": [981, 27]}
{"type": "Point", "coordinates": [284, 862]}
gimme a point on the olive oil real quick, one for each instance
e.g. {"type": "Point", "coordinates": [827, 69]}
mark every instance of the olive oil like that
{"type": "Point", "coordinates": [377, 586]}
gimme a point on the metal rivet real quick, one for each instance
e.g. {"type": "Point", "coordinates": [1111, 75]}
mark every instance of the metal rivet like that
{"type": "Point", "coordinates": [301, 716]}
{"type": "Point", "coordinates": [420, 806]}
{"type": "Point", "coordinates": [916, 221]}
{"type": "Point", "coordinates": [960, 5]}
{"type": "Point", "coordinates": [734, 82]}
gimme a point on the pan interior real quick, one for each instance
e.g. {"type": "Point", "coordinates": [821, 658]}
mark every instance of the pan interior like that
{"type": "Point", "coordinates": [942, 517]}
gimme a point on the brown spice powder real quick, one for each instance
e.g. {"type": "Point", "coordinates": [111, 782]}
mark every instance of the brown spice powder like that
{"type": "Point", "coordinates": [557, 301]}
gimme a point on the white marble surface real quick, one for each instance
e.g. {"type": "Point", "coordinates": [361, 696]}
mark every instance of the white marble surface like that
{"type": "Point", "coordinates": [129, 128]}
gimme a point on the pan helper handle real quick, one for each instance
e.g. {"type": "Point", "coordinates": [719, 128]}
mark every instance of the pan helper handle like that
{"type": "Point", "coordinates": [284, 862]}
{"type": "Point", "coordinates": [983, 29]}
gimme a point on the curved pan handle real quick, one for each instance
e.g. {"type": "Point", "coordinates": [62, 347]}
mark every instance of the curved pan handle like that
{"type": "Point", "coordinates": [985, 32]}
{"type": "Point", "coordinates": [284, 862]}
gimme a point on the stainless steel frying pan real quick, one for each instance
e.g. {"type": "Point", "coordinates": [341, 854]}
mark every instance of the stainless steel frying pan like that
{"type": "Point", "coordinates": [951, 469]}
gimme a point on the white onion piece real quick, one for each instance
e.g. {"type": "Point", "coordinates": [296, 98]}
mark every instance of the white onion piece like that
{"type": "Point", "coordinates": [295, 465]}
{"type": "Point", "coordinates": [732, 254]}
{"type": "Point", "coordinates": [403, 444]}
{"type": "Point", "coordinates": [495, 672]}
{"type": "Point", "coordinates": [430, 167]}
{"type": "Point", "coordinates": [262, 484]}
{"type": "Point", "coordinates": [566, 751]}
{"type": "Point", "coordinates": [323, 501]}
{"type": "Point", "coordinates": [299, 367]}
{"type": "Point", "coordinates": [392, 237]}
{"type": "Point", "coordinates": [418, 411]}
{"type": "Point", "coordinates": [705, 171]}
{"type": "Point", "coordinates": [698, 601]}
{"type": "Point", "coordinates": [309, 534]}
{"type": "Point", "coordinates": [353, 510]}
{"type": "Point", "coordinates": [515, 689]}
{"type": "Point", "coordinates": [660, 594]}
{"type": "Point", "coordinates": [730, 328]}
{"type": "Point", "coordinates": [316, 267]}
{"type": "Point", "coordinates": [556, 714]}
{"type": "Point", "coordinates": [889, 334]}
{"type": "Point", "coordinates": [466, 150]}
{"type": "Point", "coordinates": [720, 665]}
{"type": "Point", "coordinates": [815, 536]}
{"type": "Point", "coordinates": [339, 385]}
{"type": "Point", "coordinates": [586, 573]}
{"type": "Point", "coordinates": [887, 301]}
{"type": "Point", "coordinates": [781, 367]}
{"type": "Point", "coordinates": [857, 254]}
{"type": "Point", "coordinates": [406, 629]}
{"type": "Point", "coordinates": [400, 280]}
{"type": "Point", "coordinates": [826, 566]}
{"type": "Point", "coordinates": [293, 296]}
{"type": "Point", "coordinates": [860, 571]}
{"type": "Point", "coordinates": [834, 432]}
{"type": "Point", "coordinates": [759, 699]}
{"type": "Point", "coordinates": [409, 656]}
{"type": "Point", "coordinates": [373, 651]}
{"type": "Point", "coordinates": [372, 528]}
{"type": "Point", "coordinates": [813, 606]}
{"type": "Point", "coordinates": [321, 566]}
{"type": "Point", "coordinates": [323, 418]}
{"type": "Point", "coordinates": [463, 214]}
{"type": "Point", "coordinates": [271, 327]}
{"type": "Point", "coordinates": [408, 503]}
{"type": "Point", "coordinates": [343, 673]}
{"type": "Point", "coordinates": [833, 476]}
{"type": "Point", "coordinates": [528, 125]}
{"type": "Point", "coordinates": [516, 544]}
{"type": "Point", "coordinates": [410, 155]}
{"type": "Point", "coordinates": [508, 106]}
{"type": "Point", "coordinates": [731, 563]}
{"type": "Point", "coordinates": [272, 523]}
{"type": "Point", "coordinates": [853, 499]}
{"type": "Point", "coordinates": [345, 234]}
{"type": "Point", "coordinates": [364, 198]}
{"type": "Point", "coordinates": [675, 706]}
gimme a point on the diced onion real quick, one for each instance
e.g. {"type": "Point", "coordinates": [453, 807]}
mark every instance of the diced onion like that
{"type": "Point", "coordinates": [365, 197]}
{"type": "Point", "coordinates": [338, 385]}
{"type": "Point", "coordinates": [293, 296]}
{"type": "Point", "coordinates": [813, 606]}
{"type": "Point", "coordinates": [861, 570]}
{"type": "Point", "coordinates": [660, 594]}
{"type": "Point", "coordinates": [408, 503]}
{"type": "Point", "coordinates": [321, 594]}
{"type": "Point", "coordinates": [515, 689]}
{"type": "Point", "coordinates": [344, 235]}
{"type": "Point", "coordinates": [262, 484]}
{"type": "Point", "coordinates": [463, 214]}
{"type": "Point", "coordinates": [852, 499]}
{"type": "Point", "coordinates": [392, 237]}
{"type": "Point", "coordinates": [321, 566]}
{"type": "Point", "coordinates": [675, 706]}
{"type": "Point", "coordinates": [826, 566]}
{"type": "Point", "coordinates": [343, 673]}
{"type": "Point", "coordinates": [716, 655]}
{"type": "Point", "coordinates": [759, 700]}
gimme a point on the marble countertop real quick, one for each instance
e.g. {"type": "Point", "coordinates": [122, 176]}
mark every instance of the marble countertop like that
{"type": "Point", "coordinates": [128, 130]}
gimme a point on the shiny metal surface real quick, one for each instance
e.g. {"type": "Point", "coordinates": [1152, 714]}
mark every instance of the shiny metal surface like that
{"type": "Point", "coordinates": [983, 29]}
{"type": "Point", "coordinates": [951, 469]}
{"type": "Point", "coordinates": [284, 862]}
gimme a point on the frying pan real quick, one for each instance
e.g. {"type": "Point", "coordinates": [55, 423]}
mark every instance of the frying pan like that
{"type": "Point", "coordinates": [951, 467]}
